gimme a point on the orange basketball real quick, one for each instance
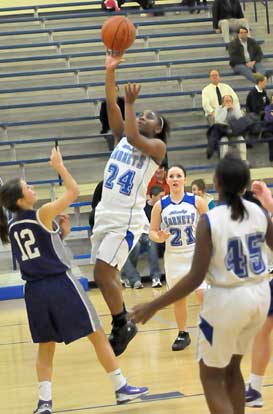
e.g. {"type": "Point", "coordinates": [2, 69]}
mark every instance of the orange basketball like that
{"type": "Point", "coordinates": [118, 33]}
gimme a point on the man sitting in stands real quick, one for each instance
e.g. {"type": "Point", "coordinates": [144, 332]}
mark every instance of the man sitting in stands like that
{"type": "Point", "coordinates": [246, 56]}
{"type": "Point", "coordinates": [220, 131]}
{"type": "Point", "coordinates": [227, 16]}
{"type": "Point", "coordinates": [213, 93]}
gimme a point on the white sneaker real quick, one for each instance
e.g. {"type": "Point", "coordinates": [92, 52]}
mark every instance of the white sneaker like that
{"type": "Point", "coordinates": [156, 283]}
{"type": "Point", "coordinates": [138, 285]}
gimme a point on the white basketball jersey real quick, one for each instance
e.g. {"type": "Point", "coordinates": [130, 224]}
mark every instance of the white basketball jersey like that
{"type": "Point", "coordinates": [240, 254]}
{"type": "Point", "coordinates": [180, 219]}
{"type": "Point", "coordinates": [126, 177]}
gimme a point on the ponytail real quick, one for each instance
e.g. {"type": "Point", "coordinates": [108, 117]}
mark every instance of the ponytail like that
{"type": "Point", "coordinates": [10, 192]}
{"type": "Point", "coordinates": [3, 226]}
{"type": "Point", "coordinates": [238, 209]}
{"type": "Point", "coordinates": [233, 177]}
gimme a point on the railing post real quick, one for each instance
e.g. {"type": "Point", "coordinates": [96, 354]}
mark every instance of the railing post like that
{"type": "Point", "coordinates": [267, 16]}
{"type": "Point", "coordinates": [255, 10]}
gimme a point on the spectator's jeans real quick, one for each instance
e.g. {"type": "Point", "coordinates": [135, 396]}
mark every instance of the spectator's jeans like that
{"type": "Point", "coordinates": [231, 25]}
{"type": "Point", "coordinates": [129, 270]}
{"type": "Point", "coordinates": [241, 146]}
{"type": "Point", "coordinates": [244, 70]}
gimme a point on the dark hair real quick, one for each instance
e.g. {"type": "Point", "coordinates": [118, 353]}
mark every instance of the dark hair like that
{"type": "Point", "coordinates": [200, 184]}
{"type": "Point", "coordinates": [165, 128]}
{"type": "Point", "coordinates": [233, 176]}
{"type": "Point", "coordinates": [242, 27]}
{"type": "Point", "coordinates": [9, 194]}
{"type": "Point", "coordinates": [181, 168]}
{"type": "Point", "coordinates": [155, 190]}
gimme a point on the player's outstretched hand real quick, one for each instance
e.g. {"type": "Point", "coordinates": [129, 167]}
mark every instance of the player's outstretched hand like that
{"type": "Point", "coordinates": [131, 92]}
{"type": "Point", "coordinates": [263, 194]}
{"type": "Point", "coordinates": [56, 159]}
{"type": "Point", "coordinates": [142, 313]}
{"type": "Point", "coordinates": [112, 60]}
{"type": "Point", "coordinates": [163, 235]}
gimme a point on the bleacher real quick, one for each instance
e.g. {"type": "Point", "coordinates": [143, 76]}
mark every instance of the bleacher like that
{"type": "Point", "coordinates": [52, 82]}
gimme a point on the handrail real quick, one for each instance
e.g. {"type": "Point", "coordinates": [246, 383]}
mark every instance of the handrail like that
{"type": "Point", "coordinates": [97, 27]}
{"type": "Point", "coordinates": [99, 99]}
{"type": "Point", "coordinates": [155, 49]}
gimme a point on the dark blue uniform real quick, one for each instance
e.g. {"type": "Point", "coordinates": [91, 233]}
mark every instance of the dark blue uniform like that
{"type": "Point", "coordinates": [58, 308]}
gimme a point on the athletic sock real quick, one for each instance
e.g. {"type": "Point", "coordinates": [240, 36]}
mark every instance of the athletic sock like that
{"type": "Point", "coordinates": [256, 382]}
{"type": "Point", "coordinates": [120, 319]}
{"type": "Point", "coordinates": [117, 378]}
{"type": "Point", "coordinates": [45, 392]}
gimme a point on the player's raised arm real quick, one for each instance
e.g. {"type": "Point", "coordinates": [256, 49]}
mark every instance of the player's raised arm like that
{"type": "Point", "coordinates": [50, 210]}
{"type": "Point", "coordinates": [115, 119]}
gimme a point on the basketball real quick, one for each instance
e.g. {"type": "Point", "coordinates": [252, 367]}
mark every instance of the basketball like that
{"type": "Point", "coordinates": [118, 33]}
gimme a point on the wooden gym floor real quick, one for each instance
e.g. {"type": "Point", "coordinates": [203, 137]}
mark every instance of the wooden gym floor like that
{"type": "Point", "coordinates": [81, 386]}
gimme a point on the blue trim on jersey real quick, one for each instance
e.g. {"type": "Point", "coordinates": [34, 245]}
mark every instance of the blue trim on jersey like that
{"type": "Point", "coordinates": [130, 239]}
{"type": "Point", "coordinates": [188, 198]}
{"type": "Point", "coordinates": [165, 201]}
{"type": "Point", "coordinates": [207, 330]}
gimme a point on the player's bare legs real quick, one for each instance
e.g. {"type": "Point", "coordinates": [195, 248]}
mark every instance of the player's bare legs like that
{"type": "Point", "coordinates": [44, 368]}
{"type": "Point", "coordinates": [44, 361]}
{"type": "Point", "coordinates": [235, 384]}
{"type": "Point", "coordinates": [261, 353]}
{"type": "Point", "coordinates": [224, 387]}
{"type": "Point", "coordinates": [106, 278]}
{"type": "Point", "coordinates": [123, 331]}
{"type": "Point", "coordinates": [103, 350]}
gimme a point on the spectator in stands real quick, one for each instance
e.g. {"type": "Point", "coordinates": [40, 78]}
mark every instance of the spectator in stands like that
{"type": "Point", "coordinates": [246, 56]}
{"type": "Point", "coordinates": [114, 5]}
{"type": "Point", "coordinates": [192, 3]}
{"type": "Point", "coordinates": [95, 201]}
{"type": "Point", "coordinates": [213, 93]}
{"type": "Point", "coordinates": [159, 178]}
{"type": "Point", "coordinates": [257, 98]}
{"type": "Point", "coordinates": [198, 187]}
{"type": "Point", "coordinates": [268, 125]}
{"type": "Point", "coordinates": [221, 131]}
{"type": "Point", "coordinates": [227, 16]}
{"type": "Point", "coordinates": [129, 273]}
{"type": "Point", "coordinates": [104, 118]}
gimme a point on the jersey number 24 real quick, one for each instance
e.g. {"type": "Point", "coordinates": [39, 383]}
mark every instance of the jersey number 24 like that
{"type": "Point", "coordinates": [125, 180]}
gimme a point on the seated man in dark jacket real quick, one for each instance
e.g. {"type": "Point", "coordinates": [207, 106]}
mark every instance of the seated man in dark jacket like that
{"type": "Point", "coordinates": [227, 16]}
{"type": "Point", "coordinates": [246, 56]}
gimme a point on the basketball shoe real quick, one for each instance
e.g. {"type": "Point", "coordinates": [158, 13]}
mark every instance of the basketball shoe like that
{"type": "Point", "coordinates": [253, 398]}
{"type": "Point", "coordinates": [43, 407]}
{"type": "Point", "coordinates": [128, 393]}
{"type": "Point", "coordinates": [182, 341]}
{"type": "Point", "coordinates": [121, 336]}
